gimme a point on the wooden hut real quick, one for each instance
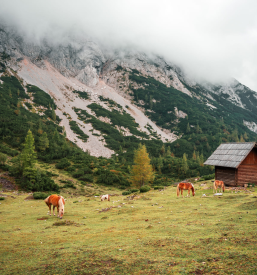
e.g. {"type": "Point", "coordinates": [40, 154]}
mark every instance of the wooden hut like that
{"type": "Point", "coordinates": [235, 163]}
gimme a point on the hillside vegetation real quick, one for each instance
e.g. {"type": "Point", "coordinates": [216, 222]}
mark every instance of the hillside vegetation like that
{"type": "Point", "coordinates": [200, 128]}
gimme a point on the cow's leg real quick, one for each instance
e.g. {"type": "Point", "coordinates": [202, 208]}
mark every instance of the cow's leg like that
{"type": "Point", "coordinates": [49, 205]}
{"type": "Point", "coordinates": [182, 193]}
{"type": "Point", "coordinates": [53, 210]}
{"type": "Point", "coordinates": [58, 211]}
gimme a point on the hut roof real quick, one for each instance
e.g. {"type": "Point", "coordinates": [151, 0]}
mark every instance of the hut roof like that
{"type": "Point", "coordinates": [230, 154]}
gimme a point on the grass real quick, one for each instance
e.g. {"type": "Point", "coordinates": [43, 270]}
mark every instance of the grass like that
{"type": "Point", "coordinates": [156, 233]}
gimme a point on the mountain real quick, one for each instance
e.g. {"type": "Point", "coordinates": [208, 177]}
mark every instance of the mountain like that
{"type": "Point", "coordinates": [107, 101]}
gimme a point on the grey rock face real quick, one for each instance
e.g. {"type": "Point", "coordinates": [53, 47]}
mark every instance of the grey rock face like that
{"type": "Point", "coordinates": [82, 60]}
{"type": "Point", "coordinates": [85, 60]}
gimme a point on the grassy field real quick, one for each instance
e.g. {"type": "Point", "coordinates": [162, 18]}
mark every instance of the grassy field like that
{"type": "Point", "coordinates": [155, 233]}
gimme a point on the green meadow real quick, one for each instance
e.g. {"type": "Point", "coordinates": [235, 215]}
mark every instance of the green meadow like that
{"type": "Point", "coordinates": [152, 233]}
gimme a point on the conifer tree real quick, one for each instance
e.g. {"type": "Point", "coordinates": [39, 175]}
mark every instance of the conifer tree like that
{"type": "Point", "coordinates": [43, 142]}
{"type": "Point", "coordinates": [184, 163]}
{"type": "Point", "coordinates": [53, 115]}
{"type": "Point", "coordinates": [194, 155]}
{"type": "Point", "coordinates": [163, 150]}
{"type": "Point", "coordinates": [242, 139]}
{"type": "Point", "coordinates": [28, 154]}
{"type": "Point", "coordinates": [188, 128]}
{"type": "Point", "coordinates": [142, 171]}
{"type": "Point", "coordinates": [245, 136]}
{"type": "Point", "coordinates": [201, 159]}
{"type": "Point", "coordinates": [168, 153]}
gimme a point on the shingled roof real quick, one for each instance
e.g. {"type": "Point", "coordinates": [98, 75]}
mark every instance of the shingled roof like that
{"type": "Point", "coordinates": [230, 154]}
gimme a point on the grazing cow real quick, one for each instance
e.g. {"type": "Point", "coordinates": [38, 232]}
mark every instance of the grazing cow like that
{"type": "Point", "coordinates": [56, 201]}
{"type": "Point", "coordinates": [105, 197]}
{"type": "Point", "coordinates": [185, 186]}
{"type": "Point", "coordinates": [217, 184]}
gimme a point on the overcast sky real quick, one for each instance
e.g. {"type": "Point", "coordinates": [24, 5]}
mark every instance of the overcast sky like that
{"type": "Point", "coordinates": [212, 39]}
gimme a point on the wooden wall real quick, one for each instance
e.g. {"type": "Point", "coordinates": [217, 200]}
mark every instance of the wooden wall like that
{"type": "Point", "coordinates": [226, 174]}
{"type": "Point", "coordinates": [247, 171]}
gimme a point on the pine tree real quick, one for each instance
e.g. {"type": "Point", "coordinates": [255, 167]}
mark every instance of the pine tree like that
{"type": "Point", "coordinates": [160, 164]}
{"type": "Point", "coordinates": [163, 150]}
{"type": "Point", "coordinates": [40, 131]}
{"type": "Point", "coordinates": [188, 128]}
{"type": "Point", "coordinates": [151, 102]}
{"type": "Point", "coordinates": [142, 171]}
{"type": "Point", "coordinates": [53, 115]}
{"type": "Point", "coordinates": [194, 155]}
{"type": "Point", "coordinates": [242, 139]}
{"type": "Point", "coordinates": [184, 163]}
{"type": "Point", "coordinates": [28, 154]}
{"type": "Point", "coordinates": [201, 159]}
{"type": "Point", "coordinates": [168, 153]}
{"type": "Point", "coordinates": [43, 142]}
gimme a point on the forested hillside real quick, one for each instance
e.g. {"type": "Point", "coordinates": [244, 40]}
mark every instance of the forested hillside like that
{"type": "Point", "coordinates": [89, 126]}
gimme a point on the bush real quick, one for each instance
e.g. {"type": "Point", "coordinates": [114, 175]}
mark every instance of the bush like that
{"type": "Point", "coordinates": [157, 187]}
{"type": "Point", "coordinates": [125, 193]}
{"type": "Point", "coordinates": [69, 185]}
{"type": "Point", "coordinates": [87, 177]}
{"type": "Point", "coordinates": [40, 183]}
{"type": "Point", "coordinates": [3, 158]}
{"type": "Point", "coordinates": [64, 163]}
{"type": "Point", "coordinates": [134, 190]}
{"type": "Point", "coordinates": [207, 177]}
{"type": "Point", "coordinates": [10, 152]}
{"type": "Point", "coordinates": [158, 182]}
{"type": "Point", "coordinates": [78, 174]}
{"type": "Point", "coordinates": [2, 198]}
{"type": "Point", "coordinates": [5, 167]}
{"type": "Point", "coordinates": [144, 189]}
{"type": "Point", "coordinates": [71, 169]}
{"type": "Point", "coordinates": [40, 196]}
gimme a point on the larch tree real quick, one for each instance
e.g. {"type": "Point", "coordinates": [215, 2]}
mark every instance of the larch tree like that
{"type": "Point", "coordinates": [142, 171]}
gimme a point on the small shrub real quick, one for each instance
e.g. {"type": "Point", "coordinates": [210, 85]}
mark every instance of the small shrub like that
{"type": "Point", "coordinates": [144, 189]}
{"type": "Point", "coordinates": [3, 159]}
{"type": "Point", "coordinates": [64, 163]}
{"type": "Point", "coordinates": [207, 177]}
{"type": "Point", "coordinates": [157, 187]}
{"type": "Point", "coordinates": [2, 198]}
{"type": "Point", "coordinates": [71, 169]}
{"type": "Point", "coordinates": [40, 196]}
{"type": "Point", "coordinates": [78, 174]}
{"type": "Point", "coordinates": [125, 193]}
{"type": "Point", "coordinates": [87, 178]}
{"type": "Point", "coordinates": [134, 190]}
{"type": "Point", "coordinates": [40, 183]}
{"type": "Point", "coordinates": [69, 185]}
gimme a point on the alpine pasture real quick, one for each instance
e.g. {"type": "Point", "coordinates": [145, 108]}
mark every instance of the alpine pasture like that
{"type": "Point", "coordinates": [143, 233]}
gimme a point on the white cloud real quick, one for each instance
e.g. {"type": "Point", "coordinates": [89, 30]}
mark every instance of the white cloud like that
{"type": "Point", "coordinates": [213, 39]}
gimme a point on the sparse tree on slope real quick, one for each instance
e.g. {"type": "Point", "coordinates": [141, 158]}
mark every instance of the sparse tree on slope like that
{"type": "Point", "coordinates": [43, 142]}
{"type": "Point", "coordinates": [142, 171]}
{"type": "Point", "coordinates": [28, 154]}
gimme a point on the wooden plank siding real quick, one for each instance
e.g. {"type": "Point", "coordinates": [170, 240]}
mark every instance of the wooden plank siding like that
{"type": "Point", "coordinates": [247, 174]}
{"type": "Point", "coordinates": [247, 170]}
{"type": "Point", "coordinates": [226, 174]}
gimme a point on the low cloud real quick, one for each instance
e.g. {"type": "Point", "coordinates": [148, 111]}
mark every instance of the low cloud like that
{"type": "Point", "coordinates": [209, 39]}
